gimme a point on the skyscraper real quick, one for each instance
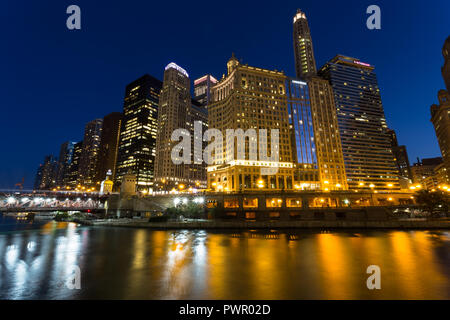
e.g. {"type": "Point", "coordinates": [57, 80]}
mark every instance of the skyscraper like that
{"type": "Point", "coordinates": [302, 134]}
{"type": "Point", "coordinates": [72, 177]}
{"type": "Point", "coordinates": [47, 174]}
{"type": "Point", "coordinates": [330, 158]}
{"type": "Point", "coordinates": [305, 64]}
{"type": "Point", "coordinates": [89, 155]}
{"type": "Point", "coordinates": [65, 159]}
{"type": "Point", "coordinates": [202, 89]}
{"type": "Point", "coordinates": [109, 143]}
{"type": "Point", "coordinates": [177, 111]}
{"type": "Point", "coordinates": [251, 98]}
{"type": "Point", "coordinates": [400, 157]}
{"type": "Point", "coordinates": [446, 67]}
{"type": "Point", "coordinates": [366, 147]}
{"type": "Point", "coordinates": [137, 142]}
{"type": "Point", "coordinates": [440, 117]}
{"type": "Point", "coordinates": [440, 114]}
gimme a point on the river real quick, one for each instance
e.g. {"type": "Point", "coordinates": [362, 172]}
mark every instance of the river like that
{"type": "Point", "coordinates": [37, 259]}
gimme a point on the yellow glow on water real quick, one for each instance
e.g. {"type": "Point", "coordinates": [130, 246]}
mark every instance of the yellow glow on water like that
{"type": "Point", "coordinates": [336, 269]}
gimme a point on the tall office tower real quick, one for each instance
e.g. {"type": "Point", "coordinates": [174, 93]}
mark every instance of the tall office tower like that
{"type": "Point", "coordinates": [197, 171]}
{"type": "Point", "coordinates": [202, 89]}
{"type": "Point", "coordinates": [302, 135]}
{"type": "Point", "coordinates": [446, 67]}
{"type": "Point", "coordinates": [47, 174]}
{"type": "Point", "coordinates": [176, 112]}
{"type": "Point", "coordinates": [440, 117]}
{"type": "Point", "coordinates": [109, 143]}
{"type": "Point", "coordinates": [327, 138]}
{"type": "Point", "coordinates": [72, 176]}
{"type": "Point", "coordinates": [250, 98]}
{"type": "Point", "coordinates": [305, 64]}
{"type": "Point", "coordinates": [400, 157]}
{"type": "Point", "coordinates": [89, 154]}
{"type": "Point", "coordinates": [65, 159]}
{"type": "Point", "coordinates": [137, 142]}
{"type": "Point", "coordinates": [369, 162]}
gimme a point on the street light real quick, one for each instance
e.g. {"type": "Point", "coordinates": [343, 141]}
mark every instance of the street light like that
{"type": "Point", "coordinates": [260, 184]}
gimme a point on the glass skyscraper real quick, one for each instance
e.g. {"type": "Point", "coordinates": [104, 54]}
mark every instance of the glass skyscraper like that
{"type": "Point", "coordinates": [369, 162]}
{"type": "Point", "coordinates": [137, 141]}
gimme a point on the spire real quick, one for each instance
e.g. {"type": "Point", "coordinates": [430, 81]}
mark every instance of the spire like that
{"type": "Point", "coordinates": [232, 63]}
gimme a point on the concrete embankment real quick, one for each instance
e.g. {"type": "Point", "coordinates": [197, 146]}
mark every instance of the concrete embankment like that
{"type": "Point", "coordinates": [388, 224]}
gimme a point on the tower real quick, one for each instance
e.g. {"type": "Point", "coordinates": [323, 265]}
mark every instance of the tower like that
{"type": "Point", "coordinates": [174, 110]}
{"type": "Point", "coordinates": [137, 139]}
{"type": "Point", "coordinates": [89, 153]}
{"type": "Point", "coordinates": [305, 64]}
{"type": "Point", "coordinates": [366, 145]}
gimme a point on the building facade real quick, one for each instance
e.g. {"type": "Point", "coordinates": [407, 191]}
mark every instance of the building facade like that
{"type": "Point", "coordinates": [366, 146]}
{"type": "Point", "coordinates": [72, 172]}
{"type": "Point", "coordinates": [65, 160]}
{"type": "Point", "coordinates": [202, 89]}
{"type": "Point", "coordinates": [109, 145]}
{"type": "Point", "coordinates": [305, 63]}
{"type": "Point", "coordinates": [139, 126]}
{"type": "Point", "coordinates": [440, 114]}
{"type": "Point", "coordinates": [178, 113]}
{"type": "Point", "coordinates": [331, 165]}
{"type": "Point", "coordinates": [250, 98]}
{"type": "Point", "coordinates": [47, 174]}
{"type": "Point", "coordinates": [424, 168]}
{"type": "Point", "coordinates": [87, 169]}
{"type": "Point", "coordinates": [401, 160]}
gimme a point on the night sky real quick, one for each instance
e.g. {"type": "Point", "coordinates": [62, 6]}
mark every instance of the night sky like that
{"type": "Point", "coordinates": [54, 80]}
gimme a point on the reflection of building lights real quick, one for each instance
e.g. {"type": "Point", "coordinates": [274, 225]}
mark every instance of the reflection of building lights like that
{"type": "Point", "coordinates": [11, 200]}
{"type": "Point", "coordinates": [185, 200]}
{"type": "Point", "coordinates": [176, 201]}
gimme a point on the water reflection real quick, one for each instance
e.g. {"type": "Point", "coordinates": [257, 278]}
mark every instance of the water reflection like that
{"type": "Point", "coordinates": [120, 263]}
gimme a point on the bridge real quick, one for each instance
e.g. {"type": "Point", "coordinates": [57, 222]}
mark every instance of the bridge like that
{"type": "Point", "coordinates": [45, 200]}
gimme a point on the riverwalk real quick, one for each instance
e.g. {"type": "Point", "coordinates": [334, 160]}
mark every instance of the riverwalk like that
{"type": "Point", "coordinates": [313, 224]}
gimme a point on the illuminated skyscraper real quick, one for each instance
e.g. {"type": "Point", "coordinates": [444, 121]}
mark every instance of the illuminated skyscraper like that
{"type": "Point", "coordinates": [330, 157]}
{"type": "Point", "coordinates": [137, 141]}
{"type": "Point", "coordinates": [89, 155]}
{"type": "Point", "coordinates": [109, 143]}
{"type": "Point", "coordinates": [305, 64]}
{"type": "Point", "coordinates": [251, 98]}
{"type": "Point", "coordinates": [202, 89]}
{"type": "Point", "coordinates": [366, 146]}
{"type": "Point", "coordinates": [304, 151]}
{"type": "Point", "coordinates": [177, 111]}
{"type": "Point", "coordinates": [65, 160]}
{"type": "Point", "coordinates": [440, 117]}
{"type": "Point", "coordinates": [72, 177]}
{"type": "Point", "coordinates": [47, 174]}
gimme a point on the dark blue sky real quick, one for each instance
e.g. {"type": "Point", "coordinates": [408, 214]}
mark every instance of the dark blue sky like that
{"type": "Point", "coordinates": [54, 80]}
